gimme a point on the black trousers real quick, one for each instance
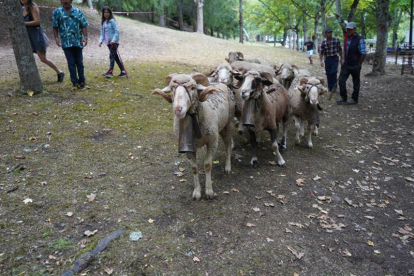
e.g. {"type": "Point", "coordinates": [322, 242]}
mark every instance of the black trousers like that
{"type": "Point", "coordinates": [113, 56]}
{"type": "Point", "coordinates": [355, 72]}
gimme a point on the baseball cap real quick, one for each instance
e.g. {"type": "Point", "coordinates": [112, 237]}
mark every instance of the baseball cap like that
{"type": "Point", "coordinates": [351, 25]}
{"type": "Point", "coordinates": [328, 30]}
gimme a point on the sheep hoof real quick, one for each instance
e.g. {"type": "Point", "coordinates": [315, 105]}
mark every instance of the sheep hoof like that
{"type": "Point", "coordinates": [196, 195]}
{"type": "Point", "coordinates": [282, 165]}
{"type": "Point", "coordinates": [310, 145]}
{"type": "Point", "coordinates": [210, 195]}
{"type": "Point", "coordinates": [255, 164]}
{"type": "Point", "coordinates": [282, 149]}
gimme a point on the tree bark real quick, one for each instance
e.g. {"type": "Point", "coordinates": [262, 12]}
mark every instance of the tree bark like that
{"type": "Point", "coordinates": [384, 20]}
{"type": "Point", "coordinates": [180, 15]}
{"type": "Point", "coordinates": [26, 64]}
{"type": "Point", "coordinates": [305, 32]}
{"type": "Point", "coordinates": [395, 25]}
{"type": "Point", "coordinates": [316, 34]}
{"type": "Point", "coordinates": [241, 21]}
{"type": "Point", "coordinates": [363, 27]}
{"type": "Point", "coordinates": [285, 33]}
{"type": "Point", "coordinates": [200, 20]}
{"type": "Point", "coordinates": [323, 15]}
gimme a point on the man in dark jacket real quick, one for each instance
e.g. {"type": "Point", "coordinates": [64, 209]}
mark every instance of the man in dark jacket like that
{"type": "Point", "coordinates": [354, 54]}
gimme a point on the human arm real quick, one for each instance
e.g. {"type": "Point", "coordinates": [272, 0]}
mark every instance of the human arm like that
{"type": "Point", "coordinates": [115, 37]}
{"type": "Point", "coordinates": [85, 36]}
{"type": "Point", "coordinates": [35, 16]}
{"type": "Point", "coordinates": [101, 37]}
{"type": "Point", "coordinates": [322, 53]}
{"type": "Point", "coordinates": [56, 35]}
{"type": "Point", "coordinates": [362, 51]}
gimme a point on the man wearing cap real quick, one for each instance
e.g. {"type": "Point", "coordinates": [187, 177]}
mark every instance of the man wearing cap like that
{"type": "Point", "coordinates": [354, 55]}
{"type": "Point", "coordinates": [332, 50]}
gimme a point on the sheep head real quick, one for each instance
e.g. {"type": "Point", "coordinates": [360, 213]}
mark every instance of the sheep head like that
{"type": "Point", "coordinates": [185, 92]}
{"type": "Point", "coordinates": [254, 83]}
{"type": "Point", "coordinates": [311, 88]}
{"type": "Point", "coordinates": [234, 56]}
{"type": "Point", "coordinates": [223, 73]}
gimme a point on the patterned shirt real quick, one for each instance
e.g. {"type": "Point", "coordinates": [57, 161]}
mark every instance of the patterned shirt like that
{"type": "Point", "coordinates": [70, 25]}
{"type": "Point", "coordinates": [332, 48]}
{"type": "Point", "coordinates": [361, 46]}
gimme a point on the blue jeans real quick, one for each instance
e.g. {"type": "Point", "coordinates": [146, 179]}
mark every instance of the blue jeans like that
{"type": "Point", "coordinates": [75, 63]}
{"type": "Point", "coordinates": [113, 56]}
{"type": "Point", "coordinates": [331, 69]}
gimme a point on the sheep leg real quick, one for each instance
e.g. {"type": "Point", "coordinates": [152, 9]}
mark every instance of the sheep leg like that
{"type": "Point", "coordinates": [316, 131]}
{"type": "Point", "coordinates": [283, 143]}
{"type": "Point", "coordinates": [208, 163]}
{"type": "Point", "coordinates": [275, 147]}
{"type": "Point", "coordinates": [253, 143]}
{"type": "Point", "coordinates": [192, 157]}
{"type": "Point", "coordinates": [298, 126]}
{"type": "Point", "coordinates": [310, 130]}
{"type": "Point", "coordinates": [227, 137]}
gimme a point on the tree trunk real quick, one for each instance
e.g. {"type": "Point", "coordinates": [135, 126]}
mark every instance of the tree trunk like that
{"type": "Point", "coordinates": [285, 30]}
{"type": "Point", "coordinates": [200, 21]}
{"type": "Point", "coordinates": [305, 33]}
{"type": "Point", "coordinates": [297, 38]}
{"type": "Point", "coordinates": [26, 64]}
{"type": "Point", "coordinates": [384, 20]}
{"type": "Point", "coordinates": [180, 15]}
{"type": "Point", "coordinates": [323, 16]}
{"type": "Point", "coordinates": [90, 4]}
{"type": "Point", "coordinates": [241, 21]}
{"type": "Point", "coordinates": [395, 25]}
{"type": "Point", "coordinates": [161, 20]}
{"type": "Point", "coordinates": [316, 34]}
{"type": "Point", "coordinates": [363, 27]}
{"type": "Point", "coordinates": [211, 32]}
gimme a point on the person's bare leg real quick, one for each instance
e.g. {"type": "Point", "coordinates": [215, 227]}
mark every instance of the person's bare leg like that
{"type": "Point", "coordinates": [43, 58]}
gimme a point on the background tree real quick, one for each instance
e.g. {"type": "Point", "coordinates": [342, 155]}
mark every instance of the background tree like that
{"type": "Point", "coordinates": [28, 73]}
{"type": "Point", "coordinates": [241, 22]}
{"type": "Point", "coordinates": [200, 21]}
{"type": "Point", "coordinates": [384, 21]}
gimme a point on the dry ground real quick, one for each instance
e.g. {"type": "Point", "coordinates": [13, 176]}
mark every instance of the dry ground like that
{"type": "Point", "coordinates": [342, 208]}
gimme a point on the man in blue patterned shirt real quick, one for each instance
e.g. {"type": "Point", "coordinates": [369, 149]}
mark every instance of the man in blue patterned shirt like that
{"type": "Point", "coordinates": [69, 28]}
{"type": "Point", "coordinates": [354, 55]}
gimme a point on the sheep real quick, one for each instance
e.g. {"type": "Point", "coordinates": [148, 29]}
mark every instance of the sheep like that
{"type": "Point", "coordinates": [224, 74]}
{"type": "Point", "coordinates": [238, 56]}
{"type": "Point", "coordinates": [288, 74]}
{"type": "Point", "coordinates": [214, 108]}
{"type": "Point", "coordinates": [267, 108]}
{"type": "Point", "coordinates": [304, 104]}
{"type": "Point", "coordinates": [243, 67]}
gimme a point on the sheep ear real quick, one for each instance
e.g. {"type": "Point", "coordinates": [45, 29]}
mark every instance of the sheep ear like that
{"type": "Point", "coordinates": [323, 91]}
{"type": "Point", "coordinates": [227, 59]}
{"type": "Point", "coordinates": [321, 80]}
{"type": "Point", "coordinates": [162, 93]}
{"type": "Point", "coordinates": [267, 79]}
{"type": "Point", "coordinates": [168, 79]}
{"type": "Point", "coordinates": [200, 78]}
{"type": "Point", "coordinates": [240, 55]}
{"type": "Point", "coordinates": [206, 91]}
{"type": "Point", "coordinates": [303, 81]}
{"type": "Point", "coordinates": [295, 69]}
{"type": "Point", "coordinates": [301, 89]}
{"type": "Point", "coordinates": [212, 73]}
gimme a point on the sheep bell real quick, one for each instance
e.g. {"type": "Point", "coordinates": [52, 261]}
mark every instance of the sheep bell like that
{"type": "Point", "coordinates": [185, 135]}
{"type": "Point", "coordinates": [248, 117]}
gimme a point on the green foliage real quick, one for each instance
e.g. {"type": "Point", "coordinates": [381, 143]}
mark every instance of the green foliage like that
{"type": "Point", "coordinates": [60, 244]}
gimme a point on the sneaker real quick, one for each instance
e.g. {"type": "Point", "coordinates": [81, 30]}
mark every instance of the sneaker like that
{"type": "Point", "coordinates": [108, 74]}
{"type": "Point", "coordinates": [311, 62]}
{"type": "Point", "coordinates": [60, 76]}
{"type": "Point", "coordinates": [122, 75]}
{"type": "Point", "coordinates": [81, 85]}
{"type": "Point", "coordinates": [340, 101]}
{"type": "Point", "coordinates": [351, 102]}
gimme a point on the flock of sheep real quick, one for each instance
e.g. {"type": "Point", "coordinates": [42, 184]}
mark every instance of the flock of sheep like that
{"type": "Point", "coordinates": [261, 97]}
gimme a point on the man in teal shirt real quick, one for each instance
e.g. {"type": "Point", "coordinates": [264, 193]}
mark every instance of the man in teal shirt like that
{"type": "Point", "coordinates": [69, 28]}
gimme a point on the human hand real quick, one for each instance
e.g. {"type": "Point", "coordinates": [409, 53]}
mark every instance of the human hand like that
{"type": "Point", "coordinates": [100, 44]}
{"type": "Point", "coordinates": [322, 64]}
{"type": "Point", "coordinates": [85, 42]}
{"type": "Point", "coordinates": [112, 42]}
{"type": "Point", "coordinates": [58, 42]}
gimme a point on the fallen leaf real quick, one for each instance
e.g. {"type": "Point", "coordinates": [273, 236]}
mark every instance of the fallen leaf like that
{"type": "Point", "coordinates": [151, 220]}
{"type": "Point", "coordinates": [250, 224]}
{"type": "Point", "coordinates": [316, 178]}
{"type": "Point", "coordinates": [91, 197]}
{"type": "Point", "coordinates": [31, 138]}
{"type": "Point", "coordinates": [400, 212]}
{"type": "Point", "coordinates": [30, 93]}
{"type": "Point", "coordinates": [256, 209]}
{"type": "Point", "coordinates": [90, 233]}
{"type": "Point", "coordinates": [409, 179]}
{"type": "Point", "coordinates": [109, 271]}
{"type": "Point", "coordinates": [377, 252]}
{"type": "Point", "coordinates": [369, 217]}
{"type": "Point", "coordinates": [20, 157]}
{"type": "Point", "coordinates": [69, 214]}
{"type": "Point", "coordinates": [347, 200]}
{"type": "Point", "coordinates": [370, 243]}
{"type": "Point", "coordinates": [300, 182]}
{"type": "Point", "coordinates": [181, 169]}
{"type": "Point", "coordinates": [216, 162]}
{"type": "Point", "coordinates": [226, 192]}
{"type": "Point", "coordinates": [235, 190]}
{"type": "Point", "coordinates": [269, 240]}
{"type": "Point", "coordinates": [183, 180]}
{"type": "Point", "coordinates": [294, 252]}
{"type": "Point", "coordinates": [346, 253]}
{"type": "Point", "coordinates": [196, 260]}
{"type": "Point", "coordinates": [27, 200]}
{"type": "Point", "coordinates": [288, 231]}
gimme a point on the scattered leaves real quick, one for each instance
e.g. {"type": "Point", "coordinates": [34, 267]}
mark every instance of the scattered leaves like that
{"type": "Point", "coordinates": [91, 197]}
{"type": "Point", "coordinates": [294, 252]}
{"type": "Point", "coordinates": [27, 200]}
{"type": "Point", "coordinates": [250, 224]}
{"type": "Point", "coordinates": [90, 233]}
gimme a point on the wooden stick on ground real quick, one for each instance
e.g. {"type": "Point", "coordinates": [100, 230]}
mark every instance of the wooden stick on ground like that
{"type": "Point", "coordinates": [82, 262]}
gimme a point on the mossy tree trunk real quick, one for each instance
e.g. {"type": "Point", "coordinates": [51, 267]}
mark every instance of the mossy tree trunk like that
{"type": "Point", "coordinates": [384, 20]}
{"type": "Point", "coordinates": [26, 64]}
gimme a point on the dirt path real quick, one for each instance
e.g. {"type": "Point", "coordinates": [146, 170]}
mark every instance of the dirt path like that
{"type": "Point", "coordinates": [104, 159]}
